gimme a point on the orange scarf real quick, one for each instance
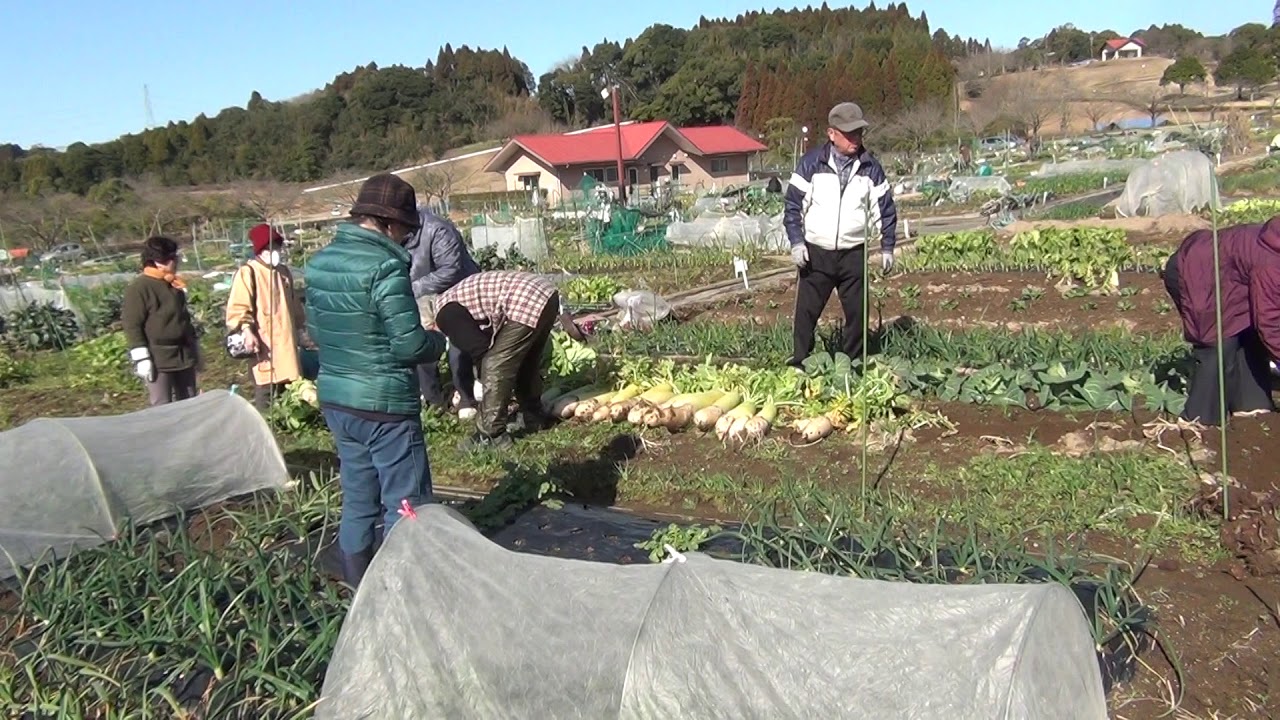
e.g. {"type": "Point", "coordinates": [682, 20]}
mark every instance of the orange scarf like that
{"type": "Point", "coordinates": [154, 272]}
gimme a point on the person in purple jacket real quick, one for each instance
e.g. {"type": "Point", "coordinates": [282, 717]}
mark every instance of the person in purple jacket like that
{"type": "Point", "coordinates": [1249, 261]}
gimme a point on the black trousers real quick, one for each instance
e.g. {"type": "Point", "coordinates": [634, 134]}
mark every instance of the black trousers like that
{"type": "Point", "coordinates": [839, 270]}
{"type": "Point", "coordinates": [264, 395]}
{"type": "Point", "coordinates": [461, 368]}
{"type": "Point", "coordinates": [514, 364]}
{"type": "Point", "coordinates": [1246, 369]}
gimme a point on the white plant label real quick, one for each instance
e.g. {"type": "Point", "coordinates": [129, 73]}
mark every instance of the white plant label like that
{"type": "Point", "coordinates": [740, 270]}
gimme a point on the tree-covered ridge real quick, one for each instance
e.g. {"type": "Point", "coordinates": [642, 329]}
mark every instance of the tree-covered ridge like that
{"type": "Point", "coordinates": [727, 69]}
{"type": "Point", "coordinates": [370, 117]}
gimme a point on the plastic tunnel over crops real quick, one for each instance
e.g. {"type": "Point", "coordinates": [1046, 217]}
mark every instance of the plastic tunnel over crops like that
{"type": "Point", "coordinates": [71, 483]}
{"type": "Point", "coordinates": [448, 624]}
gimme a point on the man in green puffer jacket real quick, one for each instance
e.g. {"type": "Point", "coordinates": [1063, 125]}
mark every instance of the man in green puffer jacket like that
{"type": "Point", "coordinates": [363, 318]}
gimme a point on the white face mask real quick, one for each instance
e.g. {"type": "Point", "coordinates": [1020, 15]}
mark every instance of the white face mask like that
{"type": "Point", "coordinates": [274, 258]}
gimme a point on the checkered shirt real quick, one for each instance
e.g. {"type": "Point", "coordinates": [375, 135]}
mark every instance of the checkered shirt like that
{"type": "Point", "coordinates": [497, 296]}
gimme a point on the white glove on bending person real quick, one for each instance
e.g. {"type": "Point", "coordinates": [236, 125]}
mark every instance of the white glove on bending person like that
{"type": "Point", "coordinates": [800, 255]}
{"type": "Point", "coordinates": [143, 367]}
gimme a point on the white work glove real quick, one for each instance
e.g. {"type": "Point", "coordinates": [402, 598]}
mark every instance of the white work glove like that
{"type": "Point", "coordinates": [477, 391]}
{"type": "Point", "coordinates": [142, 365]}
{"type": "Point", "coordinates": [886, 261]}
{"type": "Point", "coordinates": [800, 255]}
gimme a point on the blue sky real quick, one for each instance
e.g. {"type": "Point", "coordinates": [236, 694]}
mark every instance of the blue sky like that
{"type": "Point", "coordinates": [78, 68]}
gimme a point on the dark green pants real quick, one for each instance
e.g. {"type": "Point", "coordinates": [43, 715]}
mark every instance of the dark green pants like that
{"type": "Point", "coordinates": [514, 363]}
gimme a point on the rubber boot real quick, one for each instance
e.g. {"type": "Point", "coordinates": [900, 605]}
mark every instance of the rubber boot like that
{"type": "Point", "coordinates": [354, 566]}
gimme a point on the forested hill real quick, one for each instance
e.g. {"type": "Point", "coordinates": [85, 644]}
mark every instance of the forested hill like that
{"type": "Point", "coordinates": [793, 63]}
{"type": "Point", "coordinates": [763, 65]}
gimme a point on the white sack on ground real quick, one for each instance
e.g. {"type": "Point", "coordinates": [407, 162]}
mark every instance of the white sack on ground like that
{"type": "Point", "coordinates": [449, 624]}
{"type": "Point", "coordinates": [72, 483]}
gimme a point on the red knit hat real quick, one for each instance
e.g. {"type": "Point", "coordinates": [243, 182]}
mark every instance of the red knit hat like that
{"type": "Point", "coordinates": [262, 236]}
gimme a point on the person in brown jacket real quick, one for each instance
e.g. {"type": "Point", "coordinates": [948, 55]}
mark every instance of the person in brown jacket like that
{"type": "Point", "coordinates": [264, 309]}
{"type": "Point", "coordinates": [164, 349]}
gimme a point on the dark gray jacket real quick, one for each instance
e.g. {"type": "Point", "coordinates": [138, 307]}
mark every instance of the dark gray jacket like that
{"type": "Point", "coordinates": [440, 256]}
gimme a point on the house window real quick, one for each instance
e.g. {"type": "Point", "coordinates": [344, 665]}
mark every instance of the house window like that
{"type": "Point", "coordinates": [633, 176]}
{"type": "Point", "coordinates": [654, 172]}
{"type": "Point", "coordinates": [676, 171]}
{"type": "Point", "coordinates": [604, 175]}
{"type": "Point", "coordinates": [529, 182]}
{"type": "Point", "coordinates": [719, 165]}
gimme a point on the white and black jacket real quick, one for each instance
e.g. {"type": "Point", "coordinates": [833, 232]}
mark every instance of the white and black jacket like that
{"type": "Point", "coordinates": [823, 213]}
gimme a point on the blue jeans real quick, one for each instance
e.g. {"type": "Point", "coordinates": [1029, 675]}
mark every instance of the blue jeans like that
{"type": "Point", "coordinates": [383, 464]}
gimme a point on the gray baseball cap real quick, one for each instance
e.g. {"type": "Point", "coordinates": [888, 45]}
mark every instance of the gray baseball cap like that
{"type": "Point", "coordinates": [846, 117]}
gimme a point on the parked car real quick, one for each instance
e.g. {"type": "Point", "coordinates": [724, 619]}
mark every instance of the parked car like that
{"type": "Point", "coordinates": [997, 144]}
{"type": "Point", "coordinates": [66, 252]}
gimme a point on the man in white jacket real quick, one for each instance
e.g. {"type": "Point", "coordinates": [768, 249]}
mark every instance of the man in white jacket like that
{"type": "Point", "coordinates": [837, 200]}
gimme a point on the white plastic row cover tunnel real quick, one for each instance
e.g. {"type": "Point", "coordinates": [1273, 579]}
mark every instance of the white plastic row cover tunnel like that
{"type": "Point", "coordinates": [19, 297]}
{"type": "Point", "coordinates": [447, 624]}
{"type": "Point", "coordinates": [966, 184]}
{"type": "Point", "coordinates": [718, 230]}
{"type": "Point", "coordinates": [69, 484]}
{"type": "Point", "coordinates": [1179, 182]}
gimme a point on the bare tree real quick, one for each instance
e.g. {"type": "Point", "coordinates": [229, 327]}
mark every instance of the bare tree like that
{"type": "Point", "coordinates": [40, 222]}
{"type": "Point", "coordinates": [269, 200]}
{"type": "Point", "coordinates": [1097, 113]}
{"type": "Point", "coordinates": [344, 192]}
{"type": "Point", "coordinates": [435, 182]}
{"type": "Point", "coordinates": [1033, 100]}
{"type": "Point", "coordinates": [520, 116]}
{"type": "Point", "coordinates": [1151, 102]}
{"type": "Point", "coordinates": [920, 124]}
{"type": "Point", "coordinates": [989, 108]}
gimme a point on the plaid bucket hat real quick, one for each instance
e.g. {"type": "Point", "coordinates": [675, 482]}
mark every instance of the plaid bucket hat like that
{"type": "Point", "coordinates": [390, 198]}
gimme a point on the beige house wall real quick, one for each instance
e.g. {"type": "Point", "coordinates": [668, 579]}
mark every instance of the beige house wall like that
{"type": "Point", "coordinates": [522, 166]}
{"type": "Point", "coordinates": [658, 163]}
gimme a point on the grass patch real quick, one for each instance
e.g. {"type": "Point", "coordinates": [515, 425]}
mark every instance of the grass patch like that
{"type": "Point", "coordinates": [1261, 179]}
{"type": "Point", "coordinates": [1135, 496]}
{"type": "Point", "coordinates": [1078, 210]}
{"type": "Point", "coordinates": [221, 614]}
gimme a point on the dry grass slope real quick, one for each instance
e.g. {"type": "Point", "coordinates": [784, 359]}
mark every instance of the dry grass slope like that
{"type": "Point", "coordinates": [1109, 91]}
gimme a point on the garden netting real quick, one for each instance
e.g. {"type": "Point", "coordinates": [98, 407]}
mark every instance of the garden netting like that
{"type": "Point", "coordinates": [524, 234]}
{"type": "Point", "coordinates": [1178, 182]}
{"type": "Point", "coordinates": [72, 483]}
{"type": "Point", "coordinates": [447, 623]}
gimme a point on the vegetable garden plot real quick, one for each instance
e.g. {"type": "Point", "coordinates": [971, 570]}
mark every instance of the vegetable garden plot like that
{"type": "Point", "coordinates": [485, 632]}
{"type": "Point", "coordinates": [1099, 371]}
{"type": "Point", "coordinates": [71, 483]}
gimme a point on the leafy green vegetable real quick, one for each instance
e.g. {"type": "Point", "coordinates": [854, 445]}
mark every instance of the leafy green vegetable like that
{"type": "Point", "coordinates": [590, 290]}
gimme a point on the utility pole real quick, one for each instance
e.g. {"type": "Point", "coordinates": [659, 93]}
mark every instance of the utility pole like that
{"type": "Point", "coordinates": [617, 129]}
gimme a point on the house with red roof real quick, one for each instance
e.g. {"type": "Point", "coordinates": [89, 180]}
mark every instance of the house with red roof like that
{"type": "Point", "coordinates": [653, 153]}
{"type": "Point", "coordinates": [1122, 48]}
